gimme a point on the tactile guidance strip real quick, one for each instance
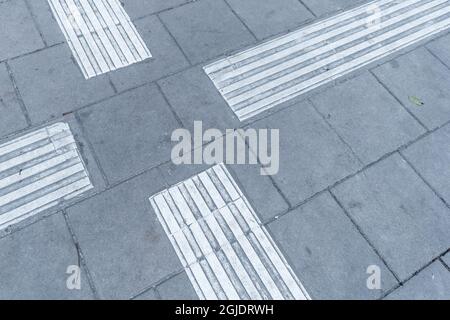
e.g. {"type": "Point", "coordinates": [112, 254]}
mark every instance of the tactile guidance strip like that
{"type": "Point", "coordinates": [100, 34]}
{"type": "Point", "coordinates": [276, 71]}
{"type": "Point", "coordinates": [38, 171]}
{"type": "Point", "coordinates": [221, 243]}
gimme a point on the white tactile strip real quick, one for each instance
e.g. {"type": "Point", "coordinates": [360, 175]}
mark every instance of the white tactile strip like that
{"type": "Point", "coordinates": [39, 170]}
{"type": "Point", "coordinates": [276, 71]}
{"type": "Point", "coordinates": [220, 241]}
{"type": "Point", "coordinates": [100, 34]}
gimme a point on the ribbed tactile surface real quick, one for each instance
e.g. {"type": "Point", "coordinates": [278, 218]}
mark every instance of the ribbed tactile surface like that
{"type": "Point", "coordinates": [100, 34]}
{"type": "Point", "coordinates": [269, 74]}
{"type": "Point", "coordinates": [221, 243]}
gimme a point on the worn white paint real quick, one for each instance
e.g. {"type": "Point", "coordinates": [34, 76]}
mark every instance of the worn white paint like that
{"type": "Point", "coordinates": [220, 241]}
{"type": "Point", "coordinates": [100, 34]}
{"type": "Point", "coordinates": [39, 170]}
{"type": "Point", "coordinates": [274, 72]}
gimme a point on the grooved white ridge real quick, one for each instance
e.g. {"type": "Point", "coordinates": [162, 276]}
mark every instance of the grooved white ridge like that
{"type": "Point", "coordinates": [39, 170]}
{"type": "Point", "coordinates": [100, 34]}
{"type": "Point", "coordinates": [276, 71]}
{"type": "Point", "coordinates": [225, 250]}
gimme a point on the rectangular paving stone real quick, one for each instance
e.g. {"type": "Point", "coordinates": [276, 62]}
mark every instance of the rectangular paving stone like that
{"type": "Point", "coordinates": [430, 156]}
{"type": "Point", "coordinates": [327, 252]}
{"type": "Point", "coordinates": [167, 57]}
{"type": "Point", "coordinates": [270, 17]}
{"type": "Point", "coordinates": [34, 262]}
{"type": "Point", "coordinates": [39, 170]}
{"type": "Point", "coordinates": [100, 34]}
{"type": "Point", "coordinates": [122, 240]}
{"type": "Point", "coordinates": [441, 48]}
{"type": "Point", "coordinates": [18, 34]}
{"type": "Point", "coordinates": [221, 243]}
{"type": "Point", "coordinates": [432, 283]}
{"type": "Point", "coordinates": [206, 29]}
{"type": "Point", "coordinates": [46, 22]}
{"type": "Point", "coordinates": [420, 82]}
{"type": "Point", "coordinates": [177, 288]}
{"type": "Point", "coordinates": [140, 8]}
{"type": "Point", "coordinates": [130, 132]}
{"type": "Point", "coordinates": [401, 216]}
{"type": "Point", "coordinates": [367, 117]}
{"type": "Point", "coordinates": [310, 149]}
{"type": "Point", "coordinates": [52, 85]}
{"type": "Point", "coordinates": [265, 76]}
{"type": "Point", "coordinates": [12, 118]}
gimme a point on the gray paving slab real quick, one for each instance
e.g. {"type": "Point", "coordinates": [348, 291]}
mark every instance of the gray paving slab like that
{"type": "Point", "coordinates": [194, 97]}
{"type": "Point", "coordinates": [430, 156]}
{"type": "Point", "coordinates": [206, 29]}
{"type": "Point", "coordinates": [34, 261]}
{"type": "Point", "coordinates": [441, 48]}
{"type": "Point", "coordinates": [327, 252]}
{"type": "Point", "coordinates": [367, 117]}
{"type": "Point", "coordinates": [177, 288]}
{"type": "Point", "coordinates": [124, 244]}
{"type": "Point", "coordinates": [432, 283]}
{"type": "Point", "coordinates": [270, 17]}
{"type": "Point", "coordinates": [12, 118]}
{"type": "Point", "coordinates": [446, 259]}
{"type": "Point", "coordinates": [140, 8]}
{"type": "Point", "coordinates": [130, 132]}
{"type": "Point", "coordinates": [46, 23]}
{"type": "Point", "coordinates": [417, 78]}
{"type": "Point", "coordinates": [18, 34]}
{"type": "Point", "coordinates": [51, 84]}
{"type": "Point", "coordinates": [258, 189]}
{"type": "Point", "coordinates": [325, 7]}
{"type": "Point", "coordinates": [399, 213]}
{"type": "Point", "coordinates": [167, 57]}
{"type": "Point", "coordinates": [312, 157]}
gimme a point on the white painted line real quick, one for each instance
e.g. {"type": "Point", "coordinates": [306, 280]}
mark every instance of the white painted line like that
{"type": "Point", "coordinates": [224, 248]}
{"type": "Point", "coordinates": [100, 34]}
{"type": "Point", "coordinates": [39, 170]}
{"type": "Point", "coordinates": [271, 73]}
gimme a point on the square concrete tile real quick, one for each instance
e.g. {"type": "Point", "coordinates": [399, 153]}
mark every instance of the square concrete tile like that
{"type": "Point", "coordinates": [177, 288]}
{"type": "Point", "coordinates": [12, 117]}
{"type": "Point", "coordinates": [367, 117]}
{"type": "Point", "coordinates": [167, 57]}
{"type": "Point", "coordinates": [270, 17]}
{"type": "Point", "coordinates": [18, 34]}
{"type": "Point", "coordinates": [51, 84]}
{"type": "Point", "coordinates": [327, 252]}
{"type": "Point", "coordinates": [140, 8]}
{"type": "Point", "coordinates": [432, 283]}
{"type": "Point", "coordinates": [34, 262]}
{"type": "Point", "coordinates": [124, 244]}
{"type": "Point", "coordinates": [130, 132]}
{"type": "Point", "coordinates": [206, 29]}
{"type": "Point", "coordinates": [399, 213]}
{"type": "Point", "coordinates": [419, 75]}
{"type": "Point", "coordinates": [430, 156]}
{"type": "Point", "coordinates": [258, 189]}
{"type": "Point", "coordinates": [46, 22]}
{"type": "Point", "coordinates": [322, 7]}
{"type": "Point", "coordinates": [312, 157]}
{"type": "Point", "coordinates": [194, 97]}
{"type": "Point", "coordinates": [441, 48]}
